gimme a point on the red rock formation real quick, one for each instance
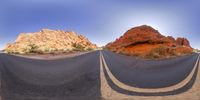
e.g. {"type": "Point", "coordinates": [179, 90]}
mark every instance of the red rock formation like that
{"type": "Point", "coordinates": [183, 41]}
{"type": "Point", "coordinates": [144, 41]}
{"type": "Point", "coordinates": [171, 38]}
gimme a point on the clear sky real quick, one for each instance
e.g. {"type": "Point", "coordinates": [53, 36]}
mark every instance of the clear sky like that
{"type": "Point", "coordinates": [101, 21]}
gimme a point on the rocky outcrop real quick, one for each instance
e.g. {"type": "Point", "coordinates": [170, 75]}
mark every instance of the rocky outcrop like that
{"type": "Point", "coordinates": [146, 42]}
{"type": "Point", "coordinates": [183, 41]}
{"type": "Point", "coordinates": [49, 41]}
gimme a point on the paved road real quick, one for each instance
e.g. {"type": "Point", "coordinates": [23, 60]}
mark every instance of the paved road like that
{"type": "Point", "coordinates": [63, 79]}
{"type": "Point", "coordinates": [79, 77]}
{"type": "Point", "coordinates": [149, 73]}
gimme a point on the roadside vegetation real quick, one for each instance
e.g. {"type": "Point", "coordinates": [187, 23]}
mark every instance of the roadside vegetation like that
{"type": "Point", "coordinates": [78, 47]}
{"type": "Point", "coordinates": [32, 48]}
{"type": "Point", "coordinates": [161, 52]}
{"type": "Point", "coordinates": [196, 50]}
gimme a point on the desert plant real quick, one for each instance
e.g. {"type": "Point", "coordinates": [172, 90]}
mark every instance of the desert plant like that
{"type": "Point", "coordinates": [46, 50]}
{"type": "Point", "coordinates": [39, 52]}
{"type": "Point", "coordinates": [173, 52]}
{"type": "Point", "coordinates": [161, 50]}
{"type": "Point", "coordinates": [89, 49]}
{"type": "Point", "coordinates": [8, 51]}
{"type": "Point", "coordinates": [152, 55]}
{"type": "Point", "coordinates": [158, 52]}
{"type": "Point", "coordinates": [33, 48]}
{"type": "Point", "coordinates": [78, 47]}
{"type": "Point", "coordinates": [65, 50]}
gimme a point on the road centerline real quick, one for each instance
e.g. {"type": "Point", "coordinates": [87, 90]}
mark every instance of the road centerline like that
{"type": "Point", "coordinates": [142, 90]}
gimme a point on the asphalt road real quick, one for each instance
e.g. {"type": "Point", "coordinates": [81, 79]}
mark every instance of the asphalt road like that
{"type": "Point", "coordinates": [149, 73]}
{"type": "Point", "coordinates": [63, 79]}
{"type": "Point", "coordinates": [79, 77]}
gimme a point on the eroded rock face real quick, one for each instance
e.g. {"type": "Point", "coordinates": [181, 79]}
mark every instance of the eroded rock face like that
{"type": "Point", "coordinates": [146, 42]}
{"type": "Point", "coordinates": [183, 41]}
{"type": "Point", "coordinates": [49, 41]}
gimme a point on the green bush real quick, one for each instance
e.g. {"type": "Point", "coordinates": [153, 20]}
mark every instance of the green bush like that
{"type": "Point", "coordinates": [78, 47]}
{"type": "Point", "coordinates": [33, 48]}
{"type": "Point", "coordinates": [9, 51]}
{"type": "Point", "coordinates": [46, 50]}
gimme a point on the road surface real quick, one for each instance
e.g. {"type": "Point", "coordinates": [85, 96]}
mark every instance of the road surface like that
{"type": "Point", "coordinates": [149, 73]}
{"type": "Point", "coordinates": [79, 77]}
{"type": "Point", "coordinates": [69, 78]}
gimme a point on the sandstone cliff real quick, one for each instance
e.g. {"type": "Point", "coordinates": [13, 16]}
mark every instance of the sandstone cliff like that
{"type": "Point", "coordinates": [47, 41]}
{"type": "Point", "coordinates": [146, 42]}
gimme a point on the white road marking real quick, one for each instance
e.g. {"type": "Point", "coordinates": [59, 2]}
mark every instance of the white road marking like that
{"type": "Point", "coordinates": [142, 90]}
{"type": "Point", "coordinates": [106, 90]}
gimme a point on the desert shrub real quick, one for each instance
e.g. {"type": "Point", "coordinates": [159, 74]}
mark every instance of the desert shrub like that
{"type": "Point", "coordinates": [89, 49]}
{"type": "Point", "coordinates": [161, 50]}
{"type": "Point", "coordinates": [152, 55]}
{"type": "Point", "coordinates": [172, 52]}
{"type": "Point", "coordinates": [158, 52]}
{"type": "Point", "coordinates": [78, 47]}
{"type": "Point", "coordinates": [40, 52]}
{"type": "Point", "coordinates": [8, 51]}
{"type": "Point", "coordinates": [46, 50]}
{"type": "Point", "coordinates": [33, 48]}
{"type": "Point", "coordinates": [11, 51]}
{"type": "Point", "coordinates": [65, 50]}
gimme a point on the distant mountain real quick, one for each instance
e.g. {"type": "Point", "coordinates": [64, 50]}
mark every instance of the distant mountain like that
{"type": "Point", "coordinates": [47, 40]}
{"type": "Point", "coordinates": [146, 42]}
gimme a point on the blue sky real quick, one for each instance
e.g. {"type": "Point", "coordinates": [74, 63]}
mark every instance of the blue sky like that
{"type": "Point", "coordinates": [101, 21]}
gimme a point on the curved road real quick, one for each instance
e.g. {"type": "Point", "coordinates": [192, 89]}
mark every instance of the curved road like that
{"type": "Point", "coordinates": [149, 73]}
{"type": "Point", "coordinates": [68, 78]}
{"type": "Point", "coordinates": [79, 77]}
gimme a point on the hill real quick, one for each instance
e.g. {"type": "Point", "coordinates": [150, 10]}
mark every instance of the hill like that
{"type": "Point", "coordinates": [146, 42]}
{"type": "Point", "coordinates": [48, 41]}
